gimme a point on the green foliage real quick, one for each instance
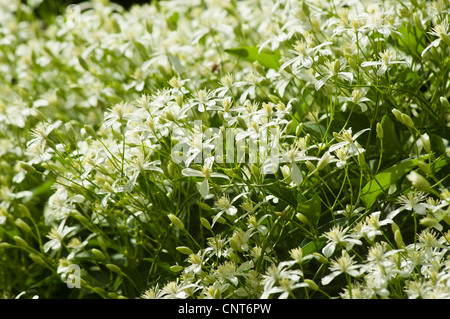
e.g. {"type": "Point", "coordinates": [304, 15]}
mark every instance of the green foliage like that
{"type": "Point", "coordinates": [224, 150]}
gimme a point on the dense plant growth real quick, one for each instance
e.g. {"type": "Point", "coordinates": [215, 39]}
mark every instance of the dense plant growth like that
{"type": "Point", "coordinates": [225, 149]}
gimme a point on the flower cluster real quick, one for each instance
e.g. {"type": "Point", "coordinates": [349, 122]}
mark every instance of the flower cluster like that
{"type": "Point", "coordinates": [211, 149]}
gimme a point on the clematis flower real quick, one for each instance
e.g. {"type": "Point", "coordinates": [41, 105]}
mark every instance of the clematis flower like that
{"type": "Point", "coordinates": [206, 173]}
{"type": "Point", "coordinates": [387, 59]}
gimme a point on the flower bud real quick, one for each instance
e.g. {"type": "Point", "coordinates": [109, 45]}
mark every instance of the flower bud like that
{"type": "Point", "coordinates": [407, 120]}
{"type": "Point", "coordinates": [426, 142]}
{"type": "Point", "coordinates": [445, 38]}
{"type": "Point", "coordinates": [204, 206]}
{"type": "Point", "coordinates": [71, 131]}
{"type": "Point", "coordinates": [184, 250]}
{"type": "Point", "coordinates": [324, 160]}
{"type": "Point", "coordinates": [27, 167]}
{"type": "Point", "coordinates": [399, 239]}
{"type": "Point", "coordinates": [102, 244]}
{"type": "Point", "coordinates": [398, 115]}
{"type": "Point", "coordinates": [37, 259]}
{"type": "Point", "coordinates": [4, 245]}
{"type": "Point", "coordinates": [320, 258]}
{"type": "Point", "coordinates": [176, 268]}
{"type": "Point", "coordinates": [24, 210]}
{"type": "Point", "coordinates": [312, 285]}
{"type": "Point", "coordinates": [352, 63]}
{"type": "Point", "coordinates": [305, 9]}
{"type": "Point", "coordinates": [380, 132]}
{"type": "Point", "coordinates": [424, 167]}
{"type": "Point", "coordinates": [38, 115]}
{"type": "Point", "coordinates": [242, 123]}
{"type": "Point", "coordinates": [176, 221]}
{"type": "Point", "coordinates": [114, 268]}
{"type": "Point", "coordinates": [19, 241]}
{"type": "Point", "coordinates": [444, 102]}
{"type": "Point", "coordinates": [22, 225]}
{"type": "Point", "coordinates": [97, 253]}
{"type": "Point", "coordinates": [255, 170]}
{"type": "Point", "coordinates": [205, 223]}
{"type": "Point", "coordinates": [90, 131]}
{"type": "Point", "coordinates": [418, 181]}
{"type": "Point", "coordinates": [302, 218]}
{"type": "Point", "coordinates": [298, 129]}
{"type": "Point", "coordinates": [417, 22]}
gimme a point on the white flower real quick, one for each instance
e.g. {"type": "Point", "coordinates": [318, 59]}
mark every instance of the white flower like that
{"type": "Point", "coordinates": [386, 60]}
{"type": "Point", "coordinates": [334, 70]}
{"type": "Point", "coordinates": [338, 236]}
{"type": "Point", "coordinates": [342, 265]}
{"type": "Point", "coordinates": [138, 164]}
{"type": "Point", "coordinates": [57, 235]}
{"type": "Point", "coordinates": [206, 173]}
{"type": "Point", "coordinates": [276, 276]}
{"type": "Point", "coordinates": [358, 98]}
{"type": "Point", "coordinates": [440, 31]}
{"type": "Point", "coordinates": [303, 55]}
{"type": "Point", "coordinates": [347, 139]}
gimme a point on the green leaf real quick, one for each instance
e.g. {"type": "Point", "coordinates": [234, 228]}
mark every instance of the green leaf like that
{"type": "Point", "coordinates": [266, 58]}
{"type": "Point", "coordinates": [283, 193]}
{"type": "Point", "coordinates": [411, 40]}
{"type": "Point", "coordinates": [311, 209]}
{"type": "Point", "coordinates": [385, 179]}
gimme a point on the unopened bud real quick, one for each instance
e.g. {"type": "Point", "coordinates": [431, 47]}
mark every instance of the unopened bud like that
{"type": "Point", "coordinates": [289, 126]}
{"type": "Point", "coordinates": [97, 253]}
{"type": "Point", "coordinates": [259, 68]}
{"type": "Point", "coordinates": [380, 132]}
{"type": "Point", "coordinates": [418, 181]}
{"type": "Point", "coordinates": [19, 241]}
{"type": "Point", "coordinates": [38, 115]}
{"type": "Point", "coordinates": [302, 218]}
{"type": "Point", "coordinates": [417, 22]}
{"type": "Point", "coordinates": [102, 244]}
{"type": "Point", "coordinates": [399, 239]}
{"type": "Point", "coordinates": [426, 142]}
{"type": "Point", "coordinates": [241, 122]}
{"type": "Point", "coordinates": [205, 223]}
{"type": "Point", "coordinates": [444, 102]}
{"type": "Point", "coordinates": [204, 206]}
{"type": "Point", "coordinates": [398, 115]}
{"type": "Point", "coordinates": [352, 64]}
{"type": "Point", "coordinates": [299, 129]}
{"type": "Point", "coordinates": [311, 284]}
{"type": "Point", "coordinates": [37, 259]}
{"type": "Point", "coordinates": [176, 221]}
{"type": "Point", "coordinates": [24, 210]}
{"type": "Point", "coordinates": [27, 167]}
{"type": "Point", "coordinates": [114, 268]}
{"type": "Point", "coordinates": [424, 167]}
{"type": "Point", "coordinates": [184, 250]}
{"type": "Point", "coordinates": [22, 225]}
{"type": "Point", "coordinates": [324, 160]}
{"type": "Point", "coordinates": [176, 268]}
{"type": "Point", "coordinates": [4, 245]}
{"type": "Point", "coordinates": [320, 258]}
{"type": "Point", "coordinates": [305, 9]}
{"type": "Point", "coordinates": [90, 131]}
{"type": "Point", "coordinates": [445, 38]}
{"type": "Point", "coordinates": [255, 170]}
{"type": "Point", "coordinates": [71, 131]}
{"type": "Point", "coordinates": [407, 120]}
